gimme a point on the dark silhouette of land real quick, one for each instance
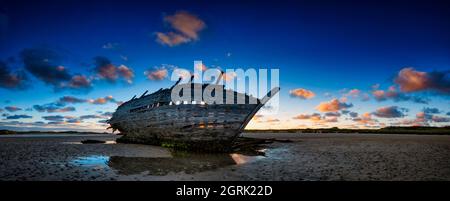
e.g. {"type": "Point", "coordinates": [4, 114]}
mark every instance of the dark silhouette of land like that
{"type": "Point", "coordinates": [421, 130]}
{"type": "Point", "coordinates": [10, 132]}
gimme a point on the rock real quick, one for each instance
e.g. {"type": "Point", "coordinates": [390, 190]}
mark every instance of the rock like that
{"type": "Point", "coordinates": [93, 141]}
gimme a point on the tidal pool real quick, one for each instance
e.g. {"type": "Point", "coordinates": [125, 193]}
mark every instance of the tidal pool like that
{"type": "Point", "coordinates": [158, 166]}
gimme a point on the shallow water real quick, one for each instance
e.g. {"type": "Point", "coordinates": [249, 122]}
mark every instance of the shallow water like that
{"type": "Point", "coordinates": [179, 162]}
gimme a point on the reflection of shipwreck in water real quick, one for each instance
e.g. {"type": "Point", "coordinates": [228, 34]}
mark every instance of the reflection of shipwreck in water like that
{"type": "Point", "coordinates": [188, 163]}
{"type": "Point", "coordinates": [194, 124]}
{"type": "Point", "coordinates": [162, 166]}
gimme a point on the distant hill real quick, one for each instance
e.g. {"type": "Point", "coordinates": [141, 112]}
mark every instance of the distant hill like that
{"type": "Point", "coordinates": [9, 132]}
{"type": "Point", "coordinates": [423, 130]}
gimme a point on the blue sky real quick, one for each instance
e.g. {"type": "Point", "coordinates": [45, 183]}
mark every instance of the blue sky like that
{"type": "Point", "coordinates": [324, 47]}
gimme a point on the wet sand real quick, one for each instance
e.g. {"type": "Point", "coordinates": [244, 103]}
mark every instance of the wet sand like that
{"type": "Point", "coordinates": [308, 157]}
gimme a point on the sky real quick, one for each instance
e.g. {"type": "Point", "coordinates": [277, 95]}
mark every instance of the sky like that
{"type": "Point", "coordinates": [67, 65]}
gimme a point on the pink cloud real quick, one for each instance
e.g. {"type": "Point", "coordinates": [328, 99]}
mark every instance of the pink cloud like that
{"type": "Point", "coordinates": [126, 73]}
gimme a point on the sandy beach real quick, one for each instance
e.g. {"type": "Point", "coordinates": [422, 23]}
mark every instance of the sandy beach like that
{"type": "Point", "coordinates": [308, 157]}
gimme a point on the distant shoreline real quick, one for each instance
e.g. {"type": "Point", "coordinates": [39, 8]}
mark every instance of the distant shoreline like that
{"type": "Point", "coordinates": [10, 132]}
{"type": "Point", "coordinates": [419, 130]}
{"type": "Point", "coordinates": [387, 130]}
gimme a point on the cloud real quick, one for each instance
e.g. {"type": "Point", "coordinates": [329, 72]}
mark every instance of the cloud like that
{"type": "Point", "coordinates": [103, 121]}
{"type": "Point", "coordinates": [312, 117]}
{"type": "Point", "coordinates": [45, 65]}
{"type": "Point", "coordinates": [330, 120]}
{"type": "Point", "coordinates": [317, 118]}
{"type": "Point", "coordinates": [429, 110]}
{"type": "Point", "coordinates": [353, 114]}
{"type": "Point", "coordinates": [123, 57]}
{"type": "Point", "coordinates": [105, 69]}
{"type": "Point", "coordinates": [73, 121]}
{"type": "Point", "coordinates": [54, 118]}
{"type": "Point", "coordinates": [21, 116]}
{"type": "Point", "coordinates": [10, 80]}
{"type": "Point", "coordinates": [353, 93]}
{"type": "Point", "coordinates": [389, 112]}
{"type": "Point", "coordinates": [126, 73]}
{"type": "Point", "coordinates": [70, 119]}
{"type": "Point", "coordinates": [423, 119]}
{"type": "Point", "coordinates": [365, 97]}
{"type": "Point", "coordinates": [365, 118]}
{"type": "Point", "coordinates": [333, 114]}
{"type": "Point", "coordinates": [272, 120]}
{"type": "Point", "coordinates": [92, 116]}
{"type": "Point", "coordinates": [74, 100]}
{"type": "Point", "coordinates": [53, 107]}
{"type": "Point", "coordinates": [110, 46]}
{"type": "Point", "coordinates": [71, 99]}
{"type": "Point", "coordinates": [229, 76]}
{"type": "Point", "coordinates": [12, 108]}
{"type": "Point", "coordinates": [333, 105]}
{"type": "Point", "coordinates": [411, 80]}
{"type": "Point", "coordinates": [107, 114]}
{"type": "Point", "coordinates": [104, 100]}
{"type": "Point", "coordinates": [157, 74]}
{"type": "Point", "coordinates": [186, 23]}
{"type": "Point", "coordinates": [393, 94]}
{"type": "Point", "coordinates": [350, 113]}
{"type": "Point", "coordinates": [302, 93]}
{"type": "Point", "coordinates": [56, 122]}
{"type": "Point", "coordinates": [422, 116]}
{"type": "Point", "coordinates": [171, 39]}
{"type": "Point", "coordinates": [257, 117]}
{"type": "Point", "coordinates": [79, 81]}
{"type": "Point", "coordinates": [440, 119]}
{"type": "Point", "coordinates": [108, 71]}
{"type": "Point", "coordinates": [202, 67]}
{"type": "Point", "coordinates": [186, 28]}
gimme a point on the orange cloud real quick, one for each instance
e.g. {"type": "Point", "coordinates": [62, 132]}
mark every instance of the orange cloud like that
{"type": "Point", "coordinates": [333, 106]}
{"type": "Point", "coordinates": [317, 118]}
{"type": "Point", "coordinates": [302, 93]}
{"type": "Point", "coordinates": [103, 100]}
{"type": "Point", "coordinates": [389, 112]}
{"type": "Point", "coordinates": [171, 39]}
{"type": "Point", "coordinates": [411, 80]}
{"type": "Point", "coordinates": [257, 117]}
{"type": "Point", "coordinates": [186, 25]}
{"type": "Point", "coordinates": [229, 76]}
{"type": "Point", "coordinates": [365, 118]}
{"type": "Point", "coordinates": [158, 74]}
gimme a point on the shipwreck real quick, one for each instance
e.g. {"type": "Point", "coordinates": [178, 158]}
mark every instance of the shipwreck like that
{"type": "Point", "coordinates": [158, 119]}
